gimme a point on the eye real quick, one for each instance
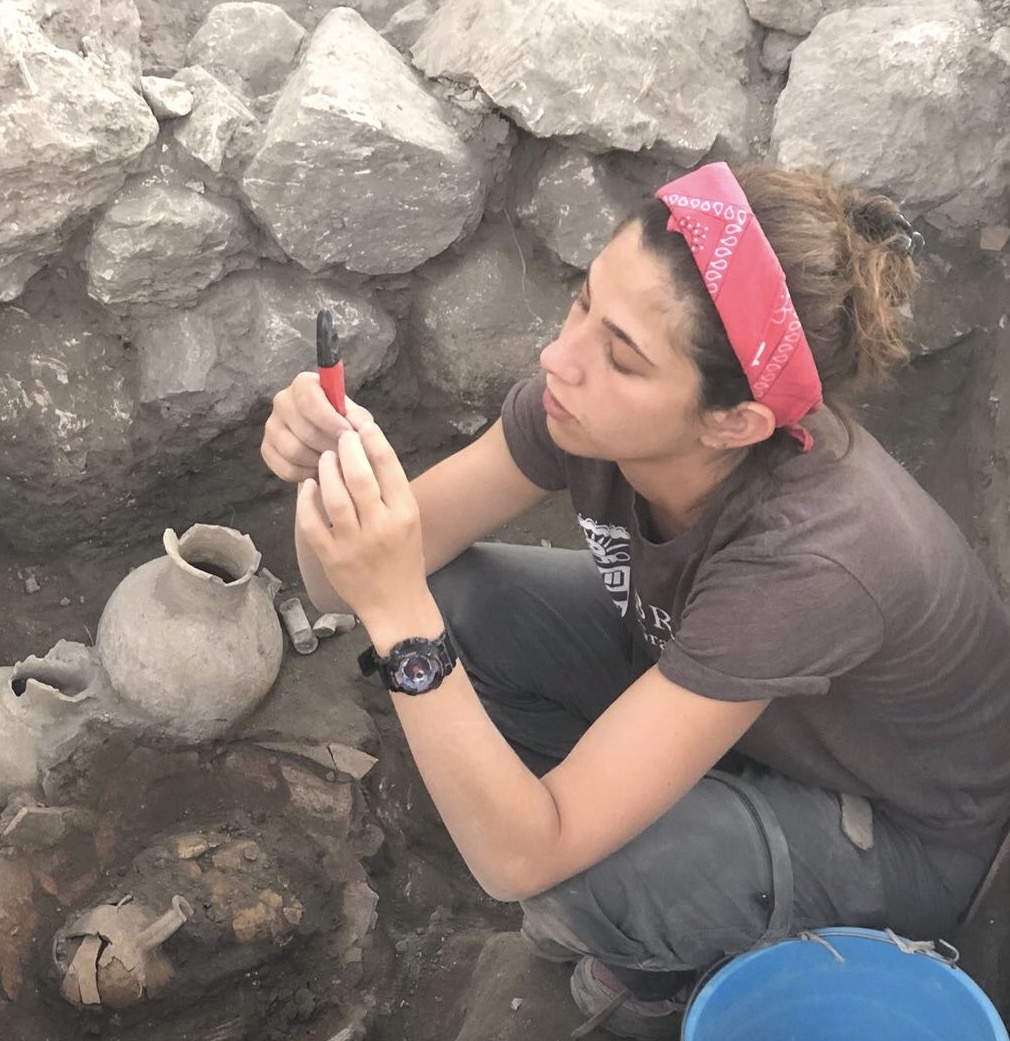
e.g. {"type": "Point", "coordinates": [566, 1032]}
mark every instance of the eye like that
{"type": "Point", "coordinates": [614, 363]}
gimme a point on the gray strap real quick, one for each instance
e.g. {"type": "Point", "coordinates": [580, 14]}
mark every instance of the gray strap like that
{"type": "Point", "coordinates": [780, 919]}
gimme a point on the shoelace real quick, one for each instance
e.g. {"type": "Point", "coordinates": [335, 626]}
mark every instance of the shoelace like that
{"type": "Point", "coordinates": [603, 1015]}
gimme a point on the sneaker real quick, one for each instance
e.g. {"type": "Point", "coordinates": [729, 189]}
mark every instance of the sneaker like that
{"type": "Point", "coordinates": [611, 1006]}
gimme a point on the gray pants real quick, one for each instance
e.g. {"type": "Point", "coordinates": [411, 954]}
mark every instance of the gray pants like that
{"type": "Point", "coordinates": [746, 857]}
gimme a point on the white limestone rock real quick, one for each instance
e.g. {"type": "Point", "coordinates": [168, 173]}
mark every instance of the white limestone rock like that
{"type": "Point", "coordinates": [106, 32]}
{"type": "Point", "coordinates": [70, 132]}
{"type": "Point", "coordinates": [627, 75]}
{"type": "Point", "coordinates": [222, 131]}
{"type": "Point", "coordinates": [250, 334]}
{"type": "Point", "coordinates": [479, 320]}
{"type": "Point", "coordinates": [158, 246]}
{"type": "Point", "coordinates": [406, 25]}
{"type": "Point", "coordinates": [574, 201]}
{"type": "Point", "coordinates": [891, 100]}
{"type": "Point", "coordinates": [798, 17]}
{"type": "Point", "coordinates": [169, 99]}
{"type": "Point", "coordinates": [66, 410]}
{"type": "Point", "coordinates": [1000, 44]}
{"type": "Point", "coordinates": [777, 51]}
{"type": "Point", "coordinates": [257, 42]}
{"type": "Point", "coordinates": [359, 165]}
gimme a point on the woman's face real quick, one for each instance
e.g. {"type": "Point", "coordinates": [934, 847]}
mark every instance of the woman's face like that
{"type": "Point", "coordinates": [619, 386]}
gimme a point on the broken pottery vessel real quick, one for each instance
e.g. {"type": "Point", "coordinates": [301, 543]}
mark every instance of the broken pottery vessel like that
{"type": "Point", "coordinates": [116, 960]}
{"type": "Point", "coordinates": [191, 640]}
{"type": "Point", "coordinates": [187, 645]}
{"type": "Point", "coordinates": [44, 704]}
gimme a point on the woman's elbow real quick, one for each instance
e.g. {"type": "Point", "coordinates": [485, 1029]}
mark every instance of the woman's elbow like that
{"type": "Point", "coordinates": [513, 887]}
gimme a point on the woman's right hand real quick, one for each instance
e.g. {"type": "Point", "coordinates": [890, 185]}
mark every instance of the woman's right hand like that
{"type": "Point", "coordinates": [303, 425]}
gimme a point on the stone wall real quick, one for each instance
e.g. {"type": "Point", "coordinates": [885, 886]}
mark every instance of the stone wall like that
{"type": "Point", "coordinates": [184, 183]}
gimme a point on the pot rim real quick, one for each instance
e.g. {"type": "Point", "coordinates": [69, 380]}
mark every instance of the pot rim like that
{"type": "Point", "coordinates": [216, 544]}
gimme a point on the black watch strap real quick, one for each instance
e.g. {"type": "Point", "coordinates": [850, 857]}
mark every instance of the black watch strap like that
{"type": "Point", "coordinates": [413, 666]}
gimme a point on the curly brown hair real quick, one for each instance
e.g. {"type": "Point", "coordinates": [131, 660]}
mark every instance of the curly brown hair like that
{"type": "Point", "coordinates": [845, 257]}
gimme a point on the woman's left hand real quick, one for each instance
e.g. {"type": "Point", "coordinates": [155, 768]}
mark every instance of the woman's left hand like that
{"type": "Point", "coordinates": [361, 519]}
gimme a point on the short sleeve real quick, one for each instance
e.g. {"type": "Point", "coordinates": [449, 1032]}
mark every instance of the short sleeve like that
{"type": "Point", "coordinates": [770, 627]}
{"type": "Point", "coordinates": [524, 423]}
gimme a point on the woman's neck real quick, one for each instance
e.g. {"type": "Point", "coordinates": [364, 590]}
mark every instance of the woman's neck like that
{"type": "Point", "coordinates": [677, 491]}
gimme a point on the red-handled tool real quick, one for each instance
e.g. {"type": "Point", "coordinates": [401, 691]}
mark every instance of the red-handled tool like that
{"type": "Point", "coordinates": [330, 362]}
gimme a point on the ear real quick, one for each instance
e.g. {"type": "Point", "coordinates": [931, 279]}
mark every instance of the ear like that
{"type": "Point", "coordinates": [745, 424]}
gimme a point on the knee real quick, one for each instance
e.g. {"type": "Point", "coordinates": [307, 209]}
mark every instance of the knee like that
{"type": "Point", "coordinates": [459, 589]}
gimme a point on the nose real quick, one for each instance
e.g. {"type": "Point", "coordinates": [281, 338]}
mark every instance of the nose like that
{"type": "Point", "coordinates": [561, 358]}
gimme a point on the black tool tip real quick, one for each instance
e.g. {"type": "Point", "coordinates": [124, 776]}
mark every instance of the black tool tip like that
{"type": "Point", "coordinates": [327, 343]}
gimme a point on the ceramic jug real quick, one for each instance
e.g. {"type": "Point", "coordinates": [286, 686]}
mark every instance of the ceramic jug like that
{"type": "Point", "coordinates": [191, 640]}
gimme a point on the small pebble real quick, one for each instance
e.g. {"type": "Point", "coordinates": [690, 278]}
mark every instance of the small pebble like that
{"type": "Point", "coordinates": [516, 1004]}
{"type": "Point", "coordinates": [65, 602]}
{"type": "Point", "coordinates": [251, 853]}
{"type": "Point", "coordinates": [32, 584]}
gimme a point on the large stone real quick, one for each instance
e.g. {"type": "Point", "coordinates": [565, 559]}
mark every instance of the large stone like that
{"type": "Point", "coordinates": [777, 51]}
{"type": "Point", "coordinates": [107, 32]}
{"type": "Point", "coordinates": [480, 320]}
{"type": "Point", "coordinates": [574, 201]}
{"type": "Point", "coordinates": [169, 99]}
{"type": "Point", "coordinates": [69, 133]}
{"type": "Point", "coordinates": [159, 246]}
{"type": "Point", "coordinates": [66, 409]}
{"type": "Point", "coordinates": [674, 72]}
{"type": "Point", "coordinates": [168, 27]}
{"type": "Point", "coordinates": [222, 132]}
{"type": "Point", "coordinates": [403, 29]}
{"type": "Point", "coordinates": [513, 994]}
{"type": "Point", "coordinates": [891, 100]}
{"type": "Point", "coordinates": [359, 165]}
{"type": "Point", "coordinates": [206, 368]}
{"type": "Point", "coordinates": [798, 17]}
{"type": "Point", "coordinates": [255, 41]}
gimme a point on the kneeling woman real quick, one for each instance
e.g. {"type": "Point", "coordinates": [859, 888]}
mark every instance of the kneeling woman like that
{"type": "Point", "coordinates": [776, 693]}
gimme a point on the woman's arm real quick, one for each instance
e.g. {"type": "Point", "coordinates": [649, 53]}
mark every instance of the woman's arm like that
{"type": "Point", "coordinates": [519, 834]}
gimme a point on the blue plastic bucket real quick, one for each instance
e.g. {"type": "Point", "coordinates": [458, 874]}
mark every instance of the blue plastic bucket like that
{"type": "Point", "coordinates": [798, 990]}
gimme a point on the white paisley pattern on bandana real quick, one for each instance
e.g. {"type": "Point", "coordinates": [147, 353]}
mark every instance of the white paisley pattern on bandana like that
{"type": "Point", "coordinates": [696, 233]}
{"type": "Point", "coordinates": [610, 545]}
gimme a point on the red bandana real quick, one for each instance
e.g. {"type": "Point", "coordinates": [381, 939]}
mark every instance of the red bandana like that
{"type": "Point", "coordinates": [708, 207]}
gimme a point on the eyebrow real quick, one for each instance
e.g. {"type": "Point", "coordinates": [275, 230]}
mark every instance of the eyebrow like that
{"type": "Point", "coordinates": [616, 329]}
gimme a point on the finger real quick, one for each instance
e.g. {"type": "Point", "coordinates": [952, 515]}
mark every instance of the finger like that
{"type": "Point", "coordinates": [310, 518]}
{"type": "Point", "coordinates": [394, 487]}
{"type": "Point", "coordinates": [358, 416]}
{"type": "Point", "coordinates": [359, 479]}
{"type": "Point", "coordinates": [314, 410]}
{"type": "Point", "coordinates": [284, 469]}
{"type": "Point", "coordinates": [289, 446]}
{"type": "Point", "coordinates": [337, 502]}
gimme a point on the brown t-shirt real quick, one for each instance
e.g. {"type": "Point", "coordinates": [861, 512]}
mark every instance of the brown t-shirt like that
{"type": "Point", "coordinates": [847, 597]}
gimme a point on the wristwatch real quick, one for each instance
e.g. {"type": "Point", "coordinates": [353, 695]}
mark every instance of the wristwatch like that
{"type": "Point", "coordinates": [412, 666]}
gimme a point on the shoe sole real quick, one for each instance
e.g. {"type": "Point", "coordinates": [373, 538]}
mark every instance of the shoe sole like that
{"type": "Point", "coordinates": [625, 1021]}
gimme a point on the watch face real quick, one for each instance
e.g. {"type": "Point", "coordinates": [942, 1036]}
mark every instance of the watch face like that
{"type": "Point", "coordinates": [416, 672]}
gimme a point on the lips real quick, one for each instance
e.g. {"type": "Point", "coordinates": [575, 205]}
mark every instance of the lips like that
{"type": "Point", "coordinates": [553, 407]}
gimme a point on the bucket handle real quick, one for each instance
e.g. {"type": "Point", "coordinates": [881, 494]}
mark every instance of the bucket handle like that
{"type": "Point", "coordinates": [950, 954]}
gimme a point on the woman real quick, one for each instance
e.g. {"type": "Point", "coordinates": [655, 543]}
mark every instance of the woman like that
{"type": "Point", "coordinates": [787, 703]}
